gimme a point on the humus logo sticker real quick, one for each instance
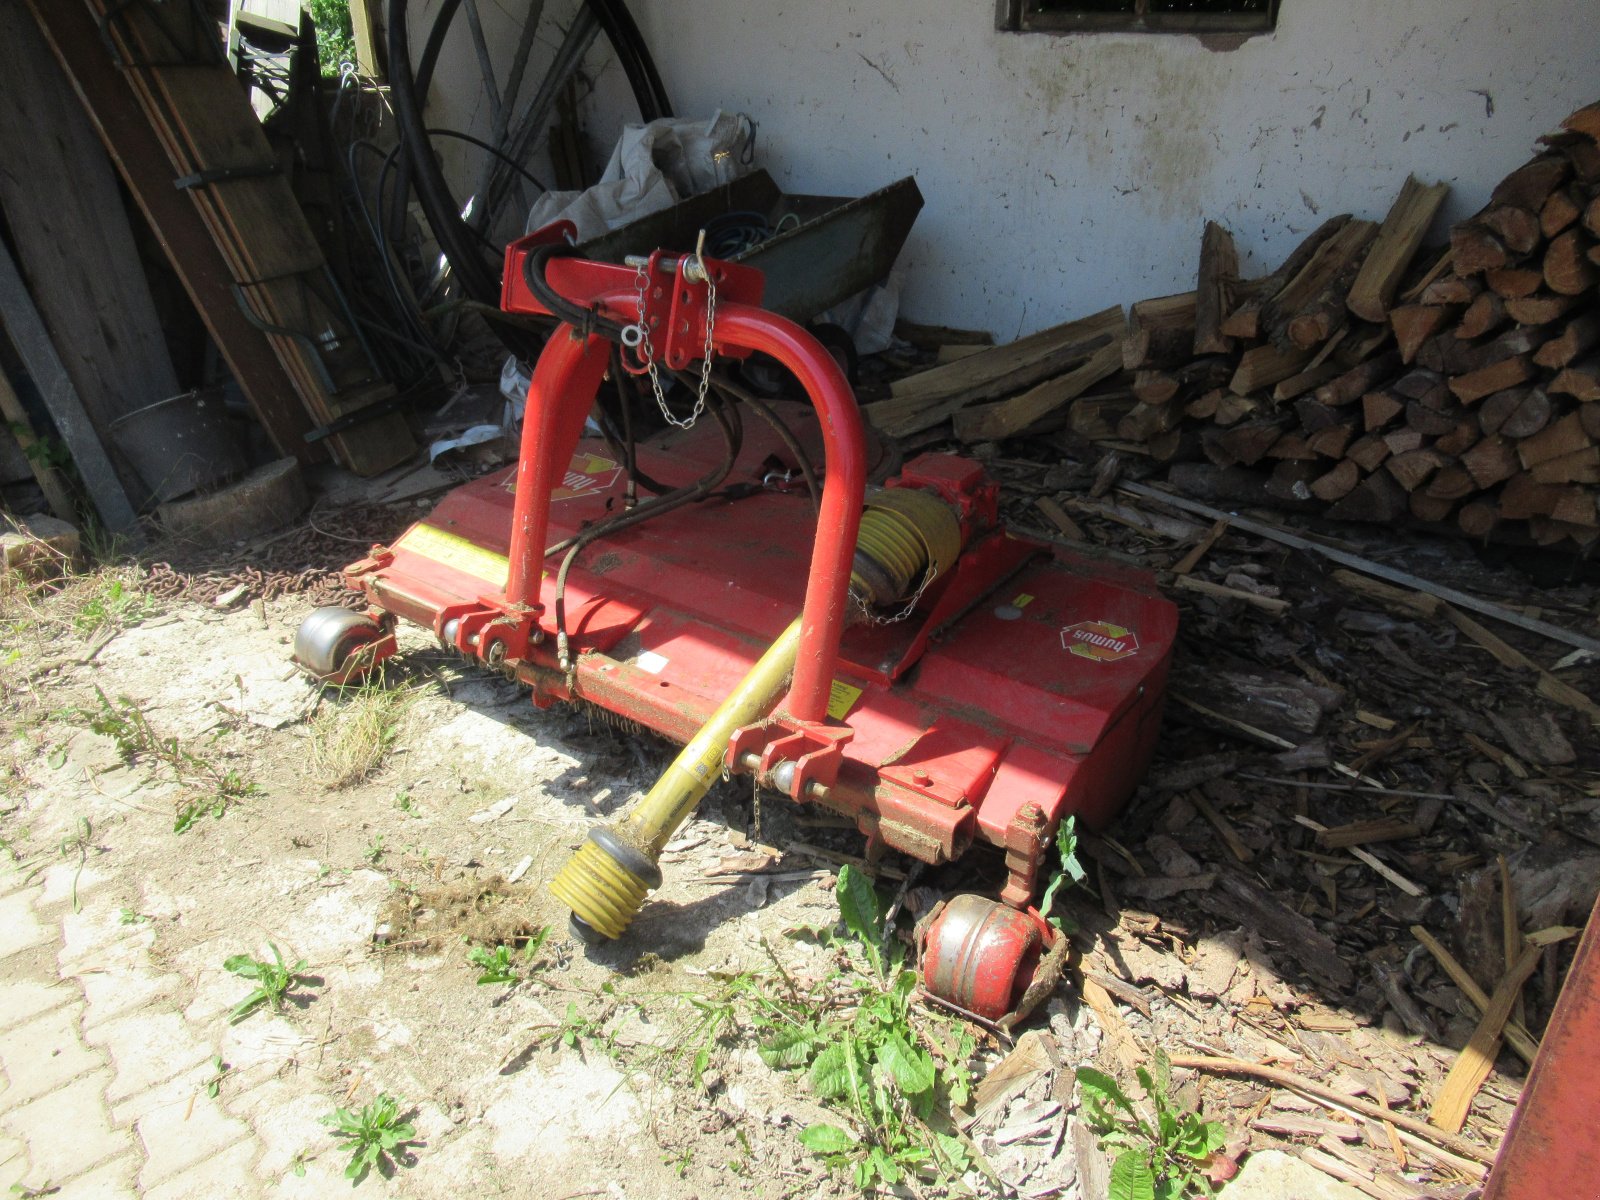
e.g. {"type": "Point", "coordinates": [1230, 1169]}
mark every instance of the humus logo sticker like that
{"type": "Point", "coordinates": [1100, 640]}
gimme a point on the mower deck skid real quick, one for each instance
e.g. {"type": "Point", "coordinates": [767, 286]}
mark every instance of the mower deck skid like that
{"type": "Point", "coordinates": [1025, 685]}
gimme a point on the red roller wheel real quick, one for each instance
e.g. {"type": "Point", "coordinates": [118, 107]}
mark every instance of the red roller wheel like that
{"type": "Point", "coordinates": [981, 956]}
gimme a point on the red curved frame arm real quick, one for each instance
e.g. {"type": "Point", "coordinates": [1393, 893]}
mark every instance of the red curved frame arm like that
{"type": "Point", "coordinates": [562, 392]}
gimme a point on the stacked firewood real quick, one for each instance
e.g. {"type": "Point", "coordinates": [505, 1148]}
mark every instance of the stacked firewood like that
{"type": "Point", "coordinates": [1365, 377]}
{"type": "Point", "coordinates": [1465, 397]}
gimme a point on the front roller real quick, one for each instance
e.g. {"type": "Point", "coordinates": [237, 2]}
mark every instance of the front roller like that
{"type": "Point", "coordinates": [987, 959]}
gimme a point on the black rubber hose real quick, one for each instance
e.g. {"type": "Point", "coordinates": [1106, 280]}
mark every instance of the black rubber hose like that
{"type": "Point", "coordinates": [424, 79]}
{"type": "Point", "coordinates": [477, 281]}
{"type": "Point", "coordinates": [648, 91]}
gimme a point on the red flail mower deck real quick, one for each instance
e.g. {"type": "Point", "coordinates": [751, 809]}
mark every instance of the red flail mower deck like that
{"type": "Point", "coordinates": [1008, 685]}
{"type": "Point", "coordinates": [1027, 687]}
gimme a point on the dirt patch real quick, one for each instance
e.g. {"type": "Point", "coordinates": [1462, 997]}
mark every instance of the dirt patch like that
{"type": "Point", "coordinates": [485, 912]}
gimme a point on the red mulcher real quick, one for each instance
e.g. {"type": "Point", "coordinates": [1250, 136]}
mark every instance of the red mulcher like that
{"type": "Point", "coordinates": [945, 683]}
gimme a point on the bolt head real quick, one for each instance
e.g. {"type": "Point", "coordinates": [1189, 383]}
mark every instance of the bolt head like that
{"type": "Point", "coordinates": [922, 777]}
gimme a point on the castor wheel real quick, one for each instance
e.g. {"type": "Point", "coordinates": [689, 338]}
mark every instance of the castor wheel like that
{"type": "Point", "coordinates": [339, 646]}
{"type": "Point", "coordinates": [981, 956]}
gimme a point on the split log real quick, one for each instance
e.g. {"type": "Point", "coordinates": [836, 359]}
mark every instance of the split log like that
{"type": "Point", "coordinates": [1261, 366]}
{"type": "Point", "coordinates": [1414, 324]}
{"type": "Point", "coordinates": [1562, 207]}
{"type": "Point", "coordinates": [1336, 483]}
{"type": "Point", "coordinates": [1359, 380]}
{"type": "Point", "coordinates": [1219, 267]}
{"type": "Point", "coordinates": [1491, 461]}
{"type": "Point", "coordinates": [1243, 445]}
{"type": "Point", "coordinates": [1377, 498]}
{"type": "Point", "coordinates": [1530, 184]}
{"type": "Point", "coordinates": [1512, 283]}
{"type": "Point", "coordinates": [1579, 466]}
{"type": "Point", "coordinates": [1245, 320]}
{"type": "Point", "coordinates": [1396, 245]}
{"type": "Point", "coordinates": [1330, 442]}
{"type": "Point", "coordinates": [1540, 308]}
{"type": "Point", "coordinates": [1414, 468]}
{"type": "Point", "coordinates": [1160, 332]}
{"type": "Point", "coordinates": [1368, 452]}
{"type": "Point", "coordinates": [1567, 269]}
{"type": "Point", "coordinates": [1451, 289]}
{"type": "Point", "coordinates": [1478, 518]}
{"type": "Point", "coordinates": [1451, 482]}
{"type": "Point", "coordinates": [1431, 422]}
{"type": "Point", "coordinates": [1378, 409]}
{"type": "Point", "coordinates": [1591, 217]}
{"type": "Point", "coordinates": [1447, 354]}
{"type": "Point", "coordinates": [1483, 315]}
{"type": "Point", "coordinates": [1580, 380]}
{"type": "Point", "coordinates": [1585, 121]}
{"type": "Point", "coordinates": [1515, 413]}
{"type": "Point", "coordinates": [1311, 378]}
{"type": "Point", "coordinates": [1096, 417]}
{"type": "Point", "coordinates": [1425, 385]}
{"type": "Point", "coordinates": [1516, 228]}
{"type": "Point", "coordinates": [1476, 249]}
{"type": "Point", "coordinates": [1578, 335]}
{"type": "Point", "coordinates": [921, 401]}
{"type": "Point", "coordinates": [1556, 440]}
{"type": "Point", "coordinates": [1509, 372]}
{"type": "Point", "coordinates": [1429, 508]}
{"type": "Point", "coordinates": [1465, 435]}
{"type": "Point", "coordinates": [1321, 284]}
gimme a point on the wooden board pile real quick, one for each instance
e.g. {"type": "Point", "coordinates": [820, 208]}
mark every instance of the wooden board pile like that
{"type": "Point", "coordinates": [1364, 377]}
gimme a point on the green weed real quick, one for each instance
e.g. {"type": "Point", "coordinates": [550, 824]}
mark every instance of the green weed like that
{"type": "Point", "coordinates": [1070, 869]}
{"type": "Point", "coordinates": [79, 844]}
{"type": "Point", "coordinates": [272, 980]}
{"type": "Point", "coordinates": [129, 916]}
{"type": "Point", "coordinates": [498, 965]}
{"type": "Point", "coordinates": [375, 850]}
{"type": "Point", "coordinates": [209, 788]}
{"type": "Point", "coordinates": [113, 604]}
{"type": "Point", "coordinates": [219, 1071]}
{"type": "Point", "coordinates": [374, 1136]}
{"type": "Point", "coordinates": [1162, 1159]}
{"type": "Point", "coordinates": [864, 1058]}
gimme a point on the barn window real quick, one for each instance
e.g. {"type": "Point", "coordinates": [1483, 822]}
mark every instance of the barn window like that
{"type": "Point", "coordinates": [1139, 16]}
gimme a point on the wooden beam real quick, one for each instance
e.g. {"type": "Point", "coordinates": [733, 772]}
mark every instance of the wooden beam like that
{"type": "Point", "coordinates": [141, 161]}
{"type": "Point", "coordinates": [38, 354]}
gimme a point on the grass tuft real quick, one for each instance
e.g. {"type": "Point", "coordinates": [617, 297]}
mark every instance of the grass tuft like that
{"type": "Point", "coordinates": [351, 737]}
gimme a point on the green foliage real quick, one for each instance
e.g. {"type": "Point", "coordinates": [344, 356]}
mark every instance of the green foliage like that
{"type": "Point", "coordinates": [868, 1061]}
{"type": "Point", "coordinates": [113, 605]}
{"type": "Point", "coordinates": [497, 964]}
{"type": "Point", "coordinates": [336, 40]}
{"type": "Point", "coordinates": [130, 917]}
{"type": "Point", "coordinates": [272, 980]}
{"type": "Point", "coordinates": [374, 852]}
{"type": "Point", "coordinates": [219, 1071]}
{"type": "Point", "coordinates": [1070, 870]}
{"type": "Point", "coordinates": [209, 788]}
{"type": "Point", "coordinates": [77, 844]}
{"type": "Point", "coordinates": [1163, 1159]}
{"type": "Point", "coordinates": [374, 1136]}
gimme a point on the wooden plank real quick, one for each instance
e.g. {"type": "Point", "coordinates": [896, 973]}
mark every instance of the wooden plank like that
{"type": "Point", "coordinates": [991, 421]}
{"type": "Point", "coordinates": [921, 401]}
{"type": "Point", "coordinates": [74, 245]}
{"type": "Point", "coordinates": [141, 161]}
{"type": "Point", "coordinates": [1354, 561]}
{"type": "Point", "coordinates": [206, 126]}
{"type": "Point", "coordinates": [1401, 234]}
{"type": "Point", "coordinates": [49, 480]}
{"type": "Point", "coordinates": [1473, 1066]}
{"type": "Point", "coordinates": [38, 354]}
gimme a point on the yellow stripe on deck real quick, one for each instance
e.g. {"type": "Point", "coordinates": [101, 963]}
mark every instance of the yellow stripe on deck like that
{"type": "Point", "coordinates": [454, 551]}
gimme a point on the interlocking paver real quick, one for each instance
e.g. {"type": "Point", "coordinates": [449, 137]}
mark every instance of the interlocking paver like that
{"type": "Point", "coordinates": [19, 927]}
{"type": "Point", "coordinates": [67, 1131]}
{"type": "Point", "coordinates": [25, 999]}
{"type": "Point", "coordinates": [44, 1054]}
{"type": "Point", "coordinates": [147, 1048]}
{"type": "Point", "coordinates": [114, 1180]}
{"type": "Point", "coordinates": [121, 989]}
{"type": "Point", "coordinates": [179, 1126]}
{"type": "Point", "coordinates": [229, 1173]}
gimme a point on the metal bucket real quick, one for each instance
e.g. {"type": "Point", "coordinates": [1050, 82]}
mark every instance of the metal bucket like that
{"type": "Point", "coordinates": [180, 444]}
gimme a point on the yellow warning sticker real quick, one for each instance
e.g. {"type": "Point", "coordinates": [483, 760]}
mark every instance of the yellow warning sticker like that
{"type": "Point", "coordinates": [841, 696]}
{"type": "Point", "coordinates": [455, 551]}
{"type": "Point", "coordinates": [1022, 601]}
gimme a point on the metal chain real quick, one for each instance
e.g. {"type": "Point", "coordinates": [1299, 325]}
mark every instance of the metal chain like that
{"type": "Point", "coordinates": [873, 619]}
{"type": "Point", "coordinates": [646, 351]}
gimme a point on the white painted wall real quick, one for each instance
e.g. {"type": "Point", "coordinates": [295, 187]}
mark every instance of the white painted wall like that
{"type": "Point", "coordinates": [1063, 174]}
